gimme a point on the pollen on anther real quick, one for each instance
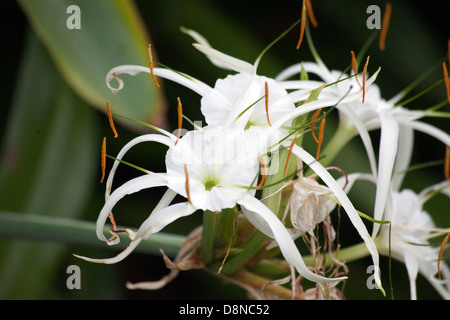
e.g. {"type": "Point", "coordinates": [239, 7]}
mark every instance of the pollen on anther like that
{"type": "Point", "coordinates": [354, 67]}
{"type": "Point", "coordinates": [311, 16]}
{"type": "Point", "coordinates": [302, 25]}
{"type": "Point", "coordinates": [446, 80]}
{"type": "Point", "coordinates": [180, 119]}
{"type": "Point", "coordinates": [150, 61]}
{"type": "Point", "coordinates": [103, 159]}
{"type": "Point", "coordinates": [321, 132]}
{"type": "Point", "coordinates": [364, 79]}
{"type": "Point", "coordinates": [266, 88]}
{"type": "Point", "coordinates": [289, 156]}
{"type": "Point", "coordinates": [385, 26]}
{"type": "Point", "coordinates": [111, 121]}
{"type": "Point", "coordinates": [313, 120]}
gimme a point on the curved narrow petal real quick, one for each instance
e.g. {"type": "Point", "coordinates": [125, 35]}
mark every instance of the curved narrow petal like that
{"type": "Point", "coordinates": [412, 268]}
{"type": "Point", "coordinates": [271, 225]}
{"type": "Point", "coordinates": [168, 141]}
{"type": "Point", "coordinates": [146, 181]}
{"type": "Point", "coordinates": [133, 244]}
{"type": "Point", "coordinates": [161, 218]}
{"type": "Point", "coordinates": [317, 68]}
{"type": "Point", "coordinates": [387, 155]}
{"type": "Point", "coordinates": [346, 204]}
{"type": "Point", "coordinates": [437, 133]}
{"type": "Point", "coordinates": [187, 81]}
{"type": "Point", "coordinates": [404, 153]}
{"type": "Point", "coordinates": [225, 61]}
{"type": "Point", "coordinates": [363, 133]}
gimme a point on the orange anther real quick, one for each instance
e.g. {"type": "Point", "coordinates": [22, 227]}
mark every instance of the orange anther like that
{"type": "Point", "coordinates": [180, 119]}
{"type": "Point", "coordinates": [313, 120]}
{"type": "Point", "coordinates": [441, 253]}
{"type": "Point", "coordinates": [364, 79]}
{"type": "Point", "coordinates": [302, 25]}
{"type": "Point", "coordinates": [266, 88]}
{"type": "Point", "coordinates": [289, 156]}
{"type": "Point", "coordinates": [321, 131]}
{"type": "Point", "coordinates": [355, 69]}
{"type": "Point", "coordinates": [263, 173]}
{"type": "Point", "coordinates": [187, 184]}
{"type": "Point", "coordinates": [103, 160]}
{"type": "Point", "coordinates": [111, 121]}
{"type": "Point", "coordinates": [150, 62]}
{"type": "Point", "coordinates": [446, 81]}
{"type": "Point", "coordinates": [385, 26]}
{"type": "Point", "coordinates": [311, 14]}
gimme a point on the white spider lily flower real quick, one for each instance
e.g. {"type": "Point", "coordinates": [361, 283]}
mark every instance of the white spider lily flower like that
{"type": "Point", "coordinates": [242, 100]}
{"type": "Point", "coordinates": [214, 169]}
{"type": "Point", "coordinates": [411, 227]}
{"type": "Point", "coordinates": [396, 123]}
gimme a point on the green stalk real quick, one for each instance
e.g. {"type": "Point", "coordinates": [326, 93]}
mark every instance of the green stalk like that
{"type": "Point", "coordinates": [209, 228]}
{"type": "Point", "coordinates": [61, 230]}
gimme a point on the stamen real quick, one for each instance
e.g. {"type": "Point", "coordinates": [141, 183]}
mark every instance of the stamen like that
{"type": "Point", "coordinates": [111, 121]}
{"type": "Point", "coordinates": [311, 14]}
{"type": "Point", "coordinates": [113, 229]}
{"type": "Point", "coordinates": [289, 156]}
{"type": "Point", "coordinates": [447, 163]}
{"type": "Point", "coordinates": [180, 119]}
{"type": "Point", "coordinates": [321, 131]}
{"type": "Point", "coordinates": [263, 173]}
{"type": "Point", "coordinates": [187, 184]}
{"type": "Point", "coordinates": [103, 160]}
{"type": "Point", "coordinates": [150, 62]}
{"type": "Point", "coordinates": [266, 88]}
{"type": "Point", "coordinates": [441, 253]}
{"type": "Point", "coordinates": [446, 81]}
{"type": "Point", "coordinates": [385, 26]}
{"type": "Point", "coordinates": [302, 25]}
{"type": "Point", "coordinates": [313, 120]}
{"type": "Point", "coordinates": [355, 69]}
{"type": "Point", "coordinates": [364, 79]}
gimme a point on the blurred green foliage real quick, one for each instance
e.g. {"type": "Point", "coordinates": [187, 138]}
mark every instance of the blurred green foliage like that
{"type": "Point", "coordinates": [52, 124]}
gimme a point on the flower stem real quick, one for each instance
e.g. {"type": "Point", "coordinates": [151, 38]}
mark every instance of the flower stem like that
{"type": "Point", "coordinates": [209, 228]}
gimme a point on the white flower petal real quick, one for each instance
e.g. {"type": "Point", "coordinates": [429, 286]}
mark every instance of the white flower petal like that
{"type": "Point", "coordinates": [437, 133]}
{"type": "Point", "coordinates": [225, 61]}
{"type": "Point", "coordinates": [387, 155]}
{"type": "Point", "coordinates": [161, 218]}
{"type": "Point", "coordinates": [133, 244]}
{"type": "Point", "coordinates": [168, 141]}
{"type": "Point", "coordinates": [147, 181]}
{"type": "Point", "coordinates": [178, 77]}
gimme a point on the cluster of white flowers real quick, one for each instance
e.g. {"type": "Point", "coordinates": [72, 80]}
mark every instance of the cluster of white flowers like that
{"type": "Point", "coordinates": [250, 119]}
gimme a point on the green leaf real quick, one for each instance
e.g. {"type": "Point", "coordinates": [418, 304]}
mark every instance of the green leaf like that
{"type": "Point", "coordinates": [111, 33]}
{"type": "Point", "coordinates": [50, 156]}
